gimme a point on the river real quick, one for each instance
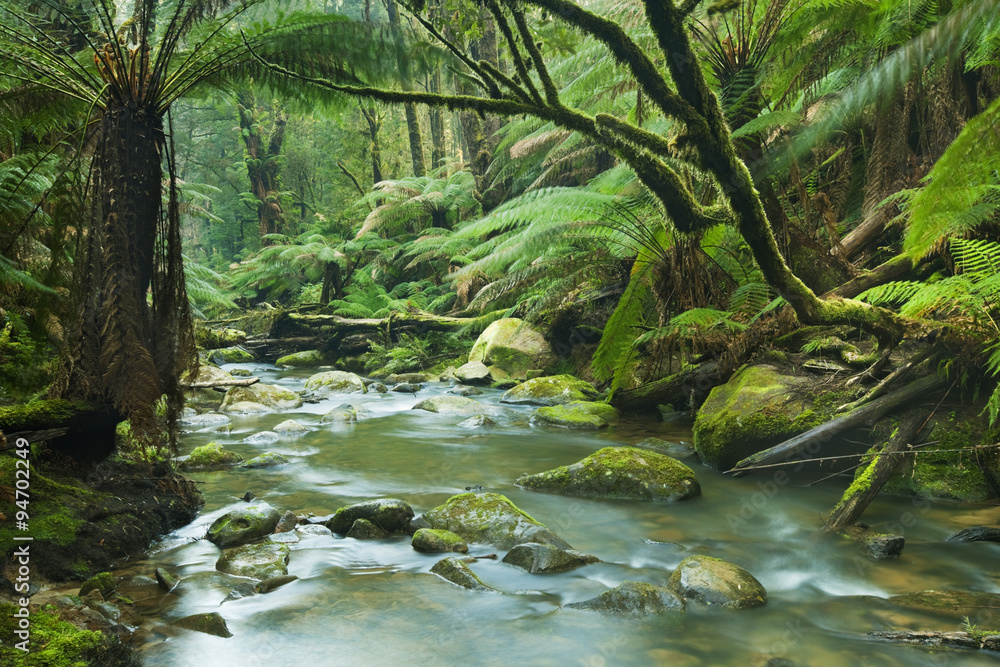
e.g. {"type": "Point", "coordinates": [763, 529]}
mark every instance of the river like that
{"type": "Point", "coordinates": [376, 602]}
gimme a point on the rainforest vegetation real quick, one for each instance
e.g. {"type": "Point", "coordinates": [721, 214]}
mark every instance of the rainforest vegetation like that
{"type": "Point", "coordinates": [674, 193]}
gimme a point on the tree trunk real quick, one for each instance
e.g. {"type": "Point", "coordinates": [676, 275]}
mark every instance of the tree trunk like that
{"type": "Point", "coordinates": [262, 163]}
{"type": "Point", "coordinates": [412, 121]}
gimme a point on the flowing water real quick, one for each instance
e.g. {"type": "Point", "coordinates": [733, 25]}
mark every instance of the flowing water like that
{"type": "Point", "coordinates": [376, 602]}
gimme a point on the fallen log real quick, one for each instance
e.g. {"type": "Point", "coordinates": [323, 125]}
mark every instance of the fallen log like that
{"type": "Point", "coordinates": [681, 390]}
{"type": "Point", "coordinates": [868, 484]}
{"type": "Point", "coordinates": [894, 269]}
{"type": "Point", "coordinates": [865, 415]}
{"type": "Point", "coordinates": [959, 639]}
{"type": "Point", "coordinates": [414, 318]}
{"type": "Point", "coordinates": [235, 382]}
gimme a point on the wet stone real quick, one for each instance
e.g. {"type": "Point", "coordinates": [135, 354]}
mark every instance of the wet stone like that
{"type": "Point", "coordinates": [211, 624]}
{"type": "Point", "coordinates": [363, 529]}
{"type": "Point", "coordinates": [547, 559]}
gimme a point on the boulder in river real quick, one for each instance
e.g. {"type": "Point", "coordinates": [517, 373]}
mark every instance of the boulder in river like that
{"type": "Point", "coordinates": [677, 450]}
{"type": "Point", "coordinates": [334, 382]}
{"type": "Point", "coordinates": [461, 406]}
{"type": "Point", "coordinates": [228, 355]}
{"type": "Point", "coordinates": [547, 559]}
{"type": "Point", "coordinates": [104, 583]}
{"type": "Point", "coordinates": [248, 408]}
{"type": "Point", "coordinates": [476, 421]}
{"type": "Point", "coordinates": [304, 359]}
{"type": "Point", "coordinates": [260, 561]}
{"type": "Point", "coordinates": [713, 581]}
{"type": "Point", "coordinates": [208, 373]}
{"type": "Point", "coordinates": [474, 373]}
{"type": "Point", "coordinates": [584, 415]}
{"type": "Point", "coordinates": [262, 438]}
{"type": "Point", "coordinates": [976, 534]}
{"type": "Point", "coordinates": [619, 472]}
{"type": "Point", "coordinates": [266, 460]}
{"type": "Point", "coordinates": [211, 456]}
{"type": "Point", "coordinates": [634, 598]}
{"type": "Point", "coordinates": [269, 395]}
{"type": "Point", "coordinates": [491, 518]}
{"type": "Point", "coordinates": [206, 419]}
{"type": "Point", "coordinates": [410, 378]}
{"type": "Point", "coordinates": [342, 414]}
{"type": "Point", "coordinates": [289, 427]}
{"type": "Point", "coordinates": [430, 540]}
{"type": "Point", "coordinates": [510, 348]}
{"type": "Point", "coordinates": [211, 623]}
{"type": "Point", "coordinates": [758, 408]}
{"type": "Point", "coordinates": [273, 583]}
{"type": "Point", "coordinates": [456, 570]}
{"type": "Point", "coordinates": [390, 514]}
{"type": "Point", "coordinates": [363, 529]}
{"type": "Point", "coordinates": [407, 387]}
{"type": "Point", "coordinates": [243, 525]}
{"type": "Point", "coordinates": [551, 390]}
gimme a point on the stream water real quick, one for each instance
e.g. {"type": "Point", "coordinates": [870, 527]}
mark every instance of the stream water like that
{"type": "Point", "coordinates": [376, 602]}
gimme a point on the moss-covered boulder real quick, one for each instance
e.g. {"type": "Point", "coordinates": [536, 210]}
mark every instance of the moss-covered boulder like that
{"type": "Point", "coordinates": [490, 518]}
{"type": "Point", "coordinates": [306, 359]}
{"type": "Point", "coordinates": [266, 460]}
{"type": "Point", "coordinates": [390, 514]}
{"type": "Point", "coordinates": [342, 414]}
{"type": "Point", "coordinates": [243, 525]}
{"type": "Point", "coordinates": [262, 438]}
{"type": "Point", "coordinates": [429, 540]}
{"type": "Point", "coordinates": [363, 529]}
{"type": "Point", "coordinates": [335, 382]}
{"type": "Point", "coordinates": [476, 421]}
{"type": "Point", "coordinates": [103, 582]}
{"type": "Point", "coordinates": [268, 395]}
{"type": "Point", "coordinates": [289, 427]}
{"type": "Point", "coordinates": [212, 456]}
{"type": "Point", "coordinates": [510, 348]}
{"type": "Point", "coordinates": [257, 561]}
{"type": "Point", "coordinates": [758, 408]}
{"type": "Point", "coordinates": [551, 390]}
{"type": "Point", "coordinates": [713, 581]}
{"type": "Point", "coordinates": [546, 559]}
{"type": "Point", "coordinates": [210, 623]}
{"type": "Point", "coordinates": [56, 642]}
{"type": "Point", "coordinates": [229, 355]}
{"type": "Point", "coordinates": [456, 570]}
{"type": "Point", "coordinates": [215, 338]}
{"type": "Point", "coordinates": [474, 372]}
{"type": "Point", "coordinates": [248, 408]}
{"type": "Point", "coordinates": [633, 598]}
{"type": "Point", "coordinates": [583, 415]}
{"type": "Point", "coordinates": [950, 475]}
{"type": "Point", "coordinates": [619, 472]}
{"type": "Point", "coordinates": [460, 406]}
{"type": "Point", "coordinates": [207, 373]}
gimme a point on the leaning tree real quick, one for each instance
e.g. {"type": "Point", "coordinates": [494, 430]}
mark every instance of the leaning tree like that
{"type": "Point", "coordinates": [131, 335]}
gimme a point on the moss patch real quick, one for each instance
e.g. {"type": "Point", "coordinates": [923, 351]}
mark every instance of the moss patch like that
{"type": "Point", "coordinates": [578, 415]}
{"type": "Point", "coordinates": [211, 456]}
{"type": "Point", "coordinates": [492, 519]}
{"type": "Point", "coordinates": [40, 415]}
{"type": "Point", "coordinates": [307, 359]}
{"type": "Point", "coordinates": [53, 642]}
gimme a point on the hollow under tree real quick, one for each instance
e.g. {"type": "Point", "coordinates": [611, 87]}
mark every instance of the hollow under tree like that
{"type": "Point", "coordinates": [704, 140]}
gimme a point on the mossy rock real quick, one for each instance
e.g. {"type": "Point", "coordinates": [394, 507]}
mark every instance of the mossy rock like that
{"type": "Point", "coordinates": [950, 475]}
{"type": "Point", "coordinates": [391, 514]}
{"type": "Point", "coordinates": [289, 426]}
{"type": "Point", "coordinates": [208, 373]}
{"type": "Point", "coordinates": [552, 390]}
{"type": "Point", "coordinates": [335, 382]}
{"type": "Point", "coordinates": [758, 408]}
{"type": "Point", "coordinates": [633, 598]}
{"type": "Point", "coordinates": [212, 456]}
{"type": "Point", "coordinates": [206, 419]}
{"type": "Point", "coordinates": [713, 581]}
{"type": "Point", "coordinates": [547, 559]}
{"type": "Point", "coordinates": [490, 518]}
{"type": "Point", "coordinates": [269, 395]}
{"type": "Point", "coordinates": [474, 372]}
{"type": "Point", "coordinates": [257, 561]}
{"type": "Point", "coordinates": [363, 529]}
{"type": "Point", "coordinates": [677, 450]}
{"type": "Point", "coordinates": [103, 582]}
{"type": "Point", "coordinates": [306, 359]}
{"type": "Point", "coordinates": [41, 415]}
{"type": "Point", "coordinates": [229, 355]}
{"type": "Point", "coordinates": [456, 570]}
{"type": "Point", "coordinates": [215, 338]}
{"type": "Point", "coordinates": [243, 525]}
{"type": "Point", "coordinates": [583, 415]}
{"type": "Point", "coordinates": [342, 414]}
{"type": "Point", "coordinates": [248, 408]}
{"type": "Point", "coordinates": [266, 460]}
{"type": "Point", "coordinates": [429, 540]}
{"type": "Point", "coordinates": [55, 642]}
{"type": "Point", "coordinates": [619, 472]}
{"type": "Point", "coordinates": [460, 406]}
{"type": "Point", "coordinates": [513, 347]}
{"type": "Point", "coordinates": [210, 623]}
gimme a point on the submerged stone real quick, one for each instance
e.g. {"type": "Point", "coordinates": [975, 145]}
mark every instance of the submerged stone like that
{"type": "Point", "coordinates": [552, 390]}
{"type": "Point", "coordinates": [976, 534]}
{"type": "Point", "coordinates": [363, 529]}
{"type": "Point", "coordinates": [206, 419]}
{"type": "Point", "coordinates": [248, 408]}
{"type": "Point", "coordinates": [429, 540]}
{"type": "Point", "coordinates": [256, 561]}
{"type": "Point", "coordinates": [289, 426]}
{"type": "Point", "coordinates": [262, 438]}
{"type": "Point", "coordinates": [635, 598]}
{"type": "Point", "coordinates": [274, 583]}
{"type": "Point", "coordinates": [547, 559]}
{"type": "Point", "coordinates": [476, 421]}
{"type": "Point", "coordinates": [491, 518]}
{"type": "Point", "coordinates": [335, 382]}
{"type": "Point", "coordinates": [166, 580]}
{"type": "Point", "coordinates": [211, 624]}
{"type": "Point", "coordinates": [955, 604]}
{"type": "Point", "coordinates": [104, 583]}
{"type": "Point", "coordinates": [342, 414]}
{"type": "Point", "coordinates": [390, 514]}
{"type": "Point", "coordinates": [713, 581]}
{"type": "Point", "coordinates": [582, 415]}
{"type": "Point", "coordinates": [461, 406]}
{"type": "Point", "coordinates": [456, 570]}
{"type": "Point", "coordinates": [407, 388]}
{"type": "Point", "coordinates": [619, 472]}
{"type": "Point", "coordinates": [243, 525]}
{"type": "Point", "coordinates": [266, 460]}
{"type": "Point", "coordinates": [677, 450]}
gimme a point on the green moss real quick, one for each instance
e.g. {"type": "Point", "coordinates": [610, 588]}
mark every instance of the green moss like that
{"type": "Point", "coordinates": [307, 359]}
{"type": "Point", "coordinates": [229, 355]}
{"type": "Point", "coordinates": [39, 415]}
{"type": "Point", "coordinates": [103, 582]}
{"type": "Point", "coordinates": [212, 455]}
{"type": "Point", "coordinates": [53, 642]}
{"type": "Point", "coordinates": [578, 415]}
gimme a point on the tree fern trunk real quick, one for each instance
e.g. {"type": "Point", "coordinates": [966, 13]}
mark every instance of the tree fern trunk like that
{"type": "Point", "coordinates": [412, 121]}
